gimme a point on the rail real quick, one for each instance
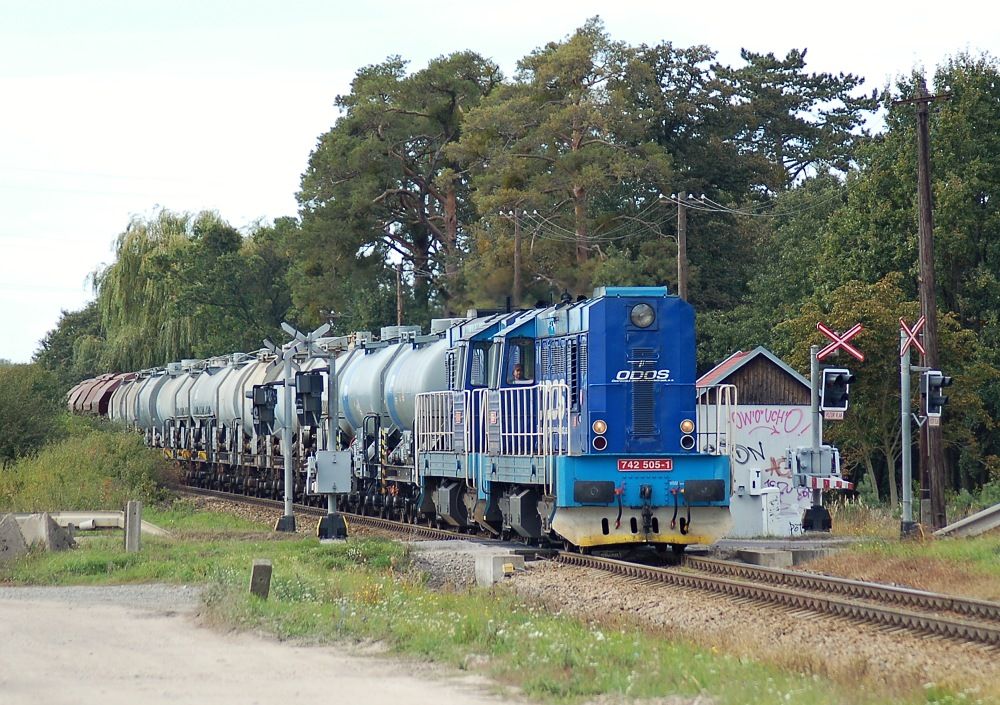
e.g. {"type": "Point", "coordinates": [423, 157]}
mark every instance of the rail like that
{"type": "Point", "coordinates": [798, 599]}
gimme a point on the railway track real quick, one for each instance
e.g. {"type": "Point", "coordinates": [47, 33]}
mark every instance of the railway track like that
{"type": "Point", "coordinates": [403, 528]}
{"type": "Point", "coordinates": [916, 611]}
{"type": "Point", "coordinates": [883, 605]}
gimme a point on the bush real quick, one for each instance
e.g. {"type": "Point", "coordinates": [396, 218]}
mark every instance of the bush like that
{"type": "Point", "coordinates": [98, 466]}
{"type": "Point", "coordinates": [31, 410]}
{"type": "Point", "coordinates": [966, 503]}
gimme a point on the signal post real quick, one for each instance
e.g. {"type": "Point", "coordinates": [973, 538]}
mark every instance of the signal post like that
{"type": "Point", "coordinates": [830, 397]}
{"type": "Point", "coordinates": [932, 383]}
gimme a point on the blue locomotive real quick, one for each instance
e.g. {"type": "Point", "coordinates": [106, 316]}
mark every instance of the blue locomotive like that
{"type": "Point", "coordinates": [579, 422]}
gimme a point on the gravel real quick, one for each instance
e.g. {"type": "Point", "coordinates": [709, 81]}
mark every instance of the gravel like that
{"type": "Point", "coordinates": [838, 648]}
{"type": "Point", "coordinates": [450, 563]}
{"type": "Point", "coordinates": [154, 596]}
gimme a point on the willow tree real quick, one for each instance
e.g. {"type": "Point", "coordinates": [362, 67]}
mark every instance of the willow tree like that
{"type": "Point", "coordinates": [190, 286]}
{"type": "Point", "coordinates": [135, 294]}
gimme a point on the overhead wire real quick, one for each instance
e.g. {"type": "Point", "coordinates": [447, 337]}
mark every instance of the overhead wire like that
{"type": "Point", "coordinates": [547, 229]}
{"type": "Point", "coordinates": [709, 205]}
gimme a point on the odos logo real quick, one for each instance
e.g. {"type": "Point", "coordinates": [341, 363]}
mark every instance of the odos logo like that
{"type": "Point", "coordinates": [642, 376]}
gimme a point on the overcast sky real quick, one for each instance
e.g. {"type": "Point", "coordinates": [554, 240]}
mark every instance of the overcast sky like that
{"type": "Point", "coordinates": [115, 108]}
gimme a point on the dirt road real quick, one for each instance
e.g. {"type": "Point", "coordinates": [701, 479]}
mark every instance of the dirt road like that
{"type": "Point", "coordinates": [141, 644]}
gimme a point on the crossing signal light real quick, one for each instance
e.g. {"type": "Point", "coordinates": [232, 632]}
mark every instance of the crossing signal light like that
{"type": "Point", "coordinates": [835, 395]}
{"type": "Point", "coordinates": [309, 397]}
{"type": "Point", "coordinates": [934, 396]}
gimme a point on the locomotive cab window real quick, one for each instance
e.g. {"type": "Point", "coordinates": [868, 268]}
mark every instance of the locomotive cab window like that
{"type": "Point", "coordinates": [479, 364]}
{"type": "Point", "coordinates": [521, 361]}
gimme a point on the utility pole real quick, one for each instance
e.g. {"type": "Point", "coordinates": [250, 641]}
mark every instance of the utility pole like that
{"type": "Point", "coordinates": [907, 525]}
{"type": "Point", "coordinates": [932, 460]}
{"type": "Point", "coordinates": [682, 263]}
{"type": "Point", "coordinates": [399, 294]}
{"type": "Point", "coordinates": [517, 260]}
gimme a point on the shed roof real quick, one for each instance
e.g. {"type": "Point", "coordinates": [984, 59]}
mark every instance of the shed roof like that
{"type": "Point", "coordinates": [726, 368]}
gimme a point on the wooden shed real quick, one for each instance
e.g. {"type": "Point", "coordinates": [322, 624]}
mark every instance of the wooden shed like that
{"type": "Point", "coordinates": [760, 378]}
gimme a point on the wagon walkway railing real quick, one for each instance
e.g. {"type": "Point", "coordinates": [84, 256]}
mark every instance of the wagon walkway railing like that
{"type": "Point", "coordinates": [530, 421]}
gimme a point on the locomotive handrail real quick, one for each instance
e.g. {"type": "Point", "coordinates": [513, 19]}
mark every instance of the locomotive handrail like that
{"type": "Point", "coordinates": [555, 421]}
{"type": "Point", "coordinates": [478, 401]}
{"type": "Point", "coordinates": [433, 425]}
{"type": "Point", "coordinates": [534, 421]}
{"type": "Point", "coordinates": [715, 418]}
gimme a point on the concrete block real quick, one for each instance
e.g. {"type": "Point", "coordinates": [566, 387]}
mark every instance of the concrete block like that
{"type": "Point", "coordinates": [765, 557]}
{"type": "Point", "coordinates": [492, 567]}
{"type": "Point", "coordinates": [133, 526]}
{"type": "Point", "coordinates": [260, 578]}
{"type": "Point", "coordinates": [41, 529]}
{"type": "Point", "coordinates": [12, 543]}
{"type": "Point", "coordinates": [804, 555]}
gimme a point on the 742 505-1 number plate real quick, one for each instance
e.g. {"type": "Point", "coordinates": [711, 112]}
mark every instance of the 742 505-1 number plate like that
{"type": "Point", "coordinates": [643, 464]}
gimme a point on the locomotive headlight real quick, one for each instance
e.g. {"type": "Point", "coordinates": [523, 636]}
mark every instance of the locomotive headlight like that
{"type": "Point", "coordinates": [687, 426]}
{"type": "Point", "coordinates": [642, 315]}
{"type": "Point", "coordinates": [600, 427]}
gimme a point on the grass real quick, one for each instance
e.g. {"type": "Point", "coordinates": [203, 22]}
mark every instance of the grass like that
{"type": "Point", "coordinates": [362, 591]}
{"type": "Point", "coordinates": [967, 566]}
{"type": "Point", "coordinates": [185, 517]}
{"type": "Point", "coordinates": [858, 519]}
{"type": "Point", "coordinates": [96, 466]}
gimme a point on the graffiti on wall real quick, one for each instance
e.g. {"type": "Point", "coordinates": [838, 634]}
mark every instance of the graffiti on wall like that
{"type": "Point", "coordinates": [762, 435]}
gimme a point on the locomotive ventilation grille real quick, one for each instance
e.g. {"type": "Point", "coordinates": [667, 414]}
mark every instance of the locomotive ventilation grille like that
{"type": "Point", "coordinates": [643, 399]}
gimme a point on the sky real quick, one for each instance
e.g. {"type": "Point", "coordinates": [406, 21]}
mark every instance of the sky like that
{"type": "Point", "coordinates": [115, 109]}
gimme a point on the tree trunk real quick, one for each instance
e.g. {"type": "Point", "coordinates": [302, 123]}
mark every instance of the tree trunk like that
{"type": "Point", "coordinates": [890, 462]}
{"type": "Point", "coordinates": [579, 202]}
{"type": "Point", "coordinates": [421, 273]}
{"type": "Point", "coordinates": [451, 238]}
{"type": "Point", "coordinates": [580, 215]}
{"type": "Point", "coordinates": [870, 471]}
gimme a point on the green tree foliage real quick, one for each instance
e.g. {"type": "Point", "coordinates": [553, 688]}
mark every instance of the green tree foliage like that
{"type": "Point", "coordinates": [838, 245]}
{"type": "Point", "coordinates": [30, 409]}
{"type": "Point", "coordinates": [95, 467]}
{"type": "Point", "coordinates": [794, 122]}
{"type": "Point", "coordinates": [381, 185]}
{"type": "Point", "coordinates": [556, 141]}
{"type": "Point", "coordinates": [868, 438]}
{"type": "Point", "coordinates": [189, 286]}
{"type": "Point", "coordinates": [73, 350]}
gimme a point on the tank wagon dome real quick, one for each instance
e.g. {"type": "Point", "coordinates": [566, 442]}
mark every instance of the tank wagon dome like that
{"type": "Point", "coordinates": [145, 397]}
{"type": "Point", "coordinates": [182, 403]}
{"type": "Point", "coordinates": [167, 396]}
{"type": "Point", "coordinates": [118, 408]}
